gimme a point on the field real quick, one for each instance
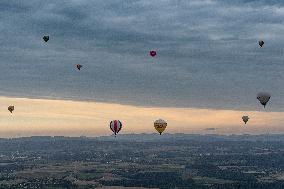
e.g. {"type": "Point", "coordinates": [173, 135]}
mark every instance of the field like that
{"type": "Point", "coordinates": [143, 161]}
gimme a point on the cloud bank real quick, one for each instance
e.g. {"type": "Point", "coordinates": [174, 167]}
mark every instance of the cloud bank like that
{"type": "Point", "coordinates": [208, 53]}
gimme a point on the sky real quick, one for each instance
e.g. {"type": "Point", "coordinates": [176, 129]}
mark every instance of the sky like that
{"type": "Point", "coordinates": [208, 59]}
{"type": "Point", "coordinates": [33, 117]}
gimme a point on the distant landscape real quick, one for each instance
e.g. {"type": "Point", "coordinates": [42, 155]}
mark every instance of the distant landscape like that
{"type": "Point", "coordinates": [143, 161]}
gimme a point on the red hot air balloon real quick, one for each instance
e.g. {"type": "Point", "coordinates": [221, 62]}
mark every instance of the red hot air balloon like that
{"type": "Point", "coordinates": [115, 126]}
{"type": "Point", "coordinates": [79, 66]}
{"type": "Point", "coordinates": [153, 53]}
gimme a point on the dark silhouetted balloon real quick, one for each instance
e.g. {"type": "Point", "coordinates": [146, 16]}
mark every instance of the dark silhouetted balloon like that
{"type": "Point", "coordinates": [79, 66]}
{"type": "Point", "coordinates": [263, 98]}
{"type": "Point", "coordinates": [11, 108]}
{"type": "Point", "coordinates": [45, 38]}
{"type": "Point", "coordinates": [245, 119]}
{"type": "Point", "coordinates": [261, 43]}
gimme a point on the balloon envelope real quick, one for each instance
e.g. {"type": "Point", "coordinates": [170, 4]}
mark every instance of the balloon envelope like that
{"type": "Point", "coordinates": [79, 66]}
{"type": "Point", "coordinates": [245, 119]}
{"type": "Point", "coordinates": [261, 43]}
{"type": "Point", "coordinates": [115, 126]}
{"type": "Point", "coordinates": [160, 125]}
{"type": "Point", "coordinates": [11, 108]}
{"type": "Point", "coordinates": [153, 53]}
{"type": "Point", "coordinates": [45, 38]}
{"type": "Point", "coordinates": [263, 98]}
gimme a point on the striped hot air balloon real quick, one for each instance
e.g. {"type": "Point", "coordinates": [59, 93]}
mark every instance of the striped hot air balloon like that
{"type": "Point", "coordinates": [115, 126]}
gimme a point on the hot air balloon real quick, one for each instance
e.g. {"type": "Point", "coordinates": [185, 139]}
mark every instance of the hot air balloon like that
{"type": "Point", "coordinates": [45, 38]}
{"type": "Point", "coordinates": [153, 53]}
{"type": "Point", "coordinates": [263, 98]}
{"type": "Point", "coordinates": [160, 125]}
{"type": "Point", "coordinates": [245, 119]}
{"type": "Point", "coordinates": [261, 43]}
{"type": "Point", "coordinates": [115, 126]}
{"type": "Point", "coordinates": [79, 66]}
{"type": "Point", "coordinates": [11, 108]}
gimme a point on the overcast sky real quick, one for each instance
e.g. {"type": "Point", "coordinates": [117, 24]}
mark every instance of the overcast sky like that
{"type": "Point", "coordinates": [207, 51]}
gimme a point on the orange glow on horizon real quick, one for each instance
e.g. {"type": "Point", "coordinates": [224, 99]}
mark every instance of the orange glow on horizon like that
{"type": "Point", "coordinates": [76, 118]}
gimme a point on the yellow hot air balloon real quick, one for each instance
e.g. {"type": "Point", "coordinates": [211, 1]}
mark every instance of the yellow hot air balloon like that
{"type": "Point", "coordinates": [160, 125]}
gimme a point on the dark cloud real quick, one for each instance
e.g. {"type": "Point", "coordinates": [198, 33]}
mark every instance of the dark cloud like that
{"type": "Point", "coordinates": [208, 53]}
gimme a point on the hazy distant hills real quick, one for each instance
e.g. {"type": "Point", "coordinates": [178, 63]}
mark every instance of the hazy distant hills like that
{"type": "Point", "coordinates": [197, 137]}
{"type": "Point", "coordinates": [165, 137]}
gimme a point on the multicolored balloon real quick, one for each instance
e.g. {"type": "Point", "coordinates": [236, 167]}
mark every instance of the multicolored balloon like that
{"type": "Point", "coordinates": [115, 126]}
{"type": "Point", "coordinates": [160, 125]}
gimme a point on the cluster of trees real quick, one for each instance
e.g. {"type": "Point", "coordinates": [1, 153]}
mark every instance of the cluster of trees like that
{"type": "Point", "coordinates": [151, 180]}
{"type": "Point", "coordinates": [42, 184]}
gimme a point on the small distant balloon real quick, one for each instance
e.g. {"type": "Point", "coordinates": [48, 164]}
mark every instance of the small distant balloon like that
{"type": "Point", "coordinates": [261, 43]}
{"type": "Point", "coordinates": [115, 126]}
{"type": "Point", "coordinates": [45, 38]}
{"type": "Point", "coordinates": [160, 125]}
{"type": "Point", "coordinates": [79, 66]}
{"type": "Point", "coordinates": [245, 119]}
{"type": "Point", "coordinates": [210, 129]}
{"type": "Point", "coordinates": [153, 53]}
{"type": "Point", "coordinates": [11, 108]}
{"type": "Point", "coordinates": [263, 98]}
